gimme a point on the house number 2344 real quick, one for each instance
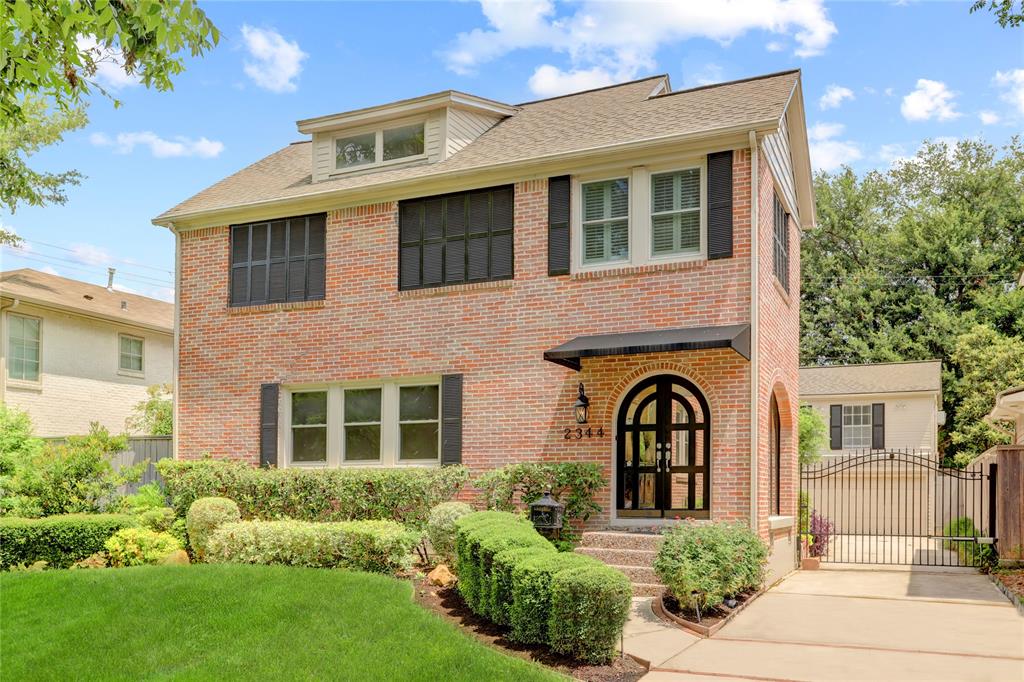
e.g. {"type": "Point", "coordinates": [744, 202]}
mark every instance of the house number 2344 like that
{"type": "Point", "coordinates": [580, 434]}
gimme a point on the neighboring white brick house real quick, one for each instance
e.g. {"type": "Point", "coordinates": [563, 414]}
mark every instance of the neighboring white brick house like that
{"type": "Point", "coordinates": [74, 353]}
{"type": "Point", "coordinates": [884, 406]}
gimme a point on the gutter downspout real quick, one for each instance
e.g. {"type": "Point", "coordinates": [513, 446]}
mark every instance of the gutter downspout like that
{"type": "Point", "coordinates": [3, 347]}
{"type": "Point", "coordinates": [176, 345]}
{"type": "Point", "coordinates": [754, 336]}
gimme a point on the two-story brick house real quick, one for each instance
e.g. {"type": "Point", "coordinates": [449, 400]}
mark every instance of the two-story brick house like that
{"type": "Point", "coordinates": [430, 281]}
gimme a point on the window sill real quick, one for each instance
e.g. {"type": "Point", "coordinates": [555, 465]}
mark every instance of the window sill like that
{"type": "Point", "coordinates": [276, 307]}
{"type": "Point", "coordinates": [131, 373]}
{"type": "Point", "coordinates": [35, 386]}
{"type": "Point", "coordinates": [776, 522]}
{"type": "Point", "coordinates": [625, 270]}
{"type": "Point", "coordinates": [782, 291]}
{"type": "Point", "coordinates": [449, 289]}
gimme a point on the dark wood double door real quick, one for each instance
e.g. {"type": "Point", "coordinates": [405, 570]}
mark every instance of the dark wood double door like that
{"type": "Point", "coordinates": [663, 450]}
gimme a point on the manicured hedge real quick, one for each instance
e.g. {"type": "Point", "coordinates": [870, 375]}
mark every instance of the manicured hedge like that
{"type": "Point", "coordinates": [376, 546]}
{"type": "Point", "coordinates": [507, 574]}
{"type": "Point", "coordinates": [58, 540]}
{"type": "Point", "coordinates": [405, 495]}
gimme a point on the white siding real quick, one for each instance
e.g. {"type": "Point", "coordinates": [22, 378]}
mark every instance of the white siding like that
{"type": "Point", "coordinates": [910, 419]}
{"type": "Point", "coordinates": [780, 160]}
{"type": "Point", "coordinates": [323, 156]}
{"type": "Point", "coordinates": [433, 136]}
{"type": "Point", "coordinates": [466, 126]}
{"type": "Point", "coordinates": [79, 375]}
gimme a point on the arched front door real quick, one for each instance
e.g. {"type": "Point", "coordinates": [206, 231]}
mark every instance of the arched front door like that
{"type": "Point", "coordinates": [663, 450]}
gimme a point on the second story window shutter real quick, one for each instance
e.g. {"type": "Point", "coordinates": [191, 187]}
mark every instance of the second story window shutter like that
{"type": "Point", "coordinates": [451, 419]}
{"type": "Point", "coordinates": [269, 395]}
{"type": "Point", "coordinates": [878, 426]}
{"type": "Point", "coordinates": [720, 205]}
{"type": "Point", "coordinates": [835, 427]}
{"type": "Point", "coordinates": [558, 225]}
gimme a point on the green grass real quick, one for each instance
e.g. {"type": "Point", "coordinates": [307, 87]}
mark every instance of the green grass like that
{"type": "Point", "coordinates": [233, 622]}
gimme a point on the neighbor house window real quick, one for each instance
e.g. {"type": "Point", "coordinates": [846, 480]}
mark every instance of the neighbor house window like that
{"type": "Point", "coordinates": [278, 260]}
{"type": "Point", "coordinates": [675, 212]}
{"type": "Point", "coordinates": [781, 242]}
{"type": "Point", "coordinates": [605, 225]}
{"type": "Point", "coordinates": [23, 347]}
{"type": "Point", "coordinates": [388, 423]}
{"type": "Point", "coordinates": [456, 238]}
{"type": "Point", "coordinates": [309, 426]}
{"type": "Point", "coordinates": [856, 426]}
{"type": "Point", "coordinates": [383, 145]}
{"type": "Point", "coordinates": [130, 355]}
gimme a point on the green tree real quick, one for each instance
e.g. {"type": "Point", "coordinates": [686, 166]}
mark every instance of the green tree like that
{"type": "Point", "coordinates": [812, 435]}
{"type": "Point", "coordinates": [904, 262]}
{"type": "Point", "coordinates": [1004, 11]}
{"type": "Point", "coordinates": [18, 182]}
{"type": "Point", "coordinates": [153, 416]}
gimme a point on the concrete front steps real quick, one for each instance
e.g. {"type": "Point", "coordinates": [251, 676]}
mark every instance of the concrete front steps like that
{"type": "Point", "coordinates": [631, 553]}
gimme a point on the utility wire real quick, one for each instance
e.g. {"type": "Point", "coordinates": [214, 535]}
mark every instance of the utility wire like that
{"type": "Point", "coordinates": [84, 268]}
{"type": "Point", "coordinates": [111, 258]}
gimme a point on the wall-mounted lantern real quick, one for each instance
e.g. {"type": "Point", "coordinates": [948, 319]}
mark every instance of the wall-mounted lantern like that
{"type": "Point", "coordinates": [546, 512]}
{"type": "Point", "coordinates": [581, 408]}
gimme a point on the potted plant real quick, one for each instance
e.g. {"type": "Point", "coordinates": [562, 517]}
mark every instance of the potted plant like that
{"type": "Point", "coordinates": [815, 541]}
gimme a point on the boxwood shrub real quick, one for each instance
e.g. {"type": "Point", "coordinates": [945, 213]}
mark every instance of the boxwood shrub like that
{"type": "Point", "coordinates": [589, 607]}
{"type": "Point", "coordinates": [139, 546]}
{"type": "Point", "coordinates": [205, 516]}
{"type": "Point", "coordinates": [404, 494]}
{"type": "Point", "coordinates": [376, 546]}
{"type": "Point", "coordinates": [58, 540]}
{"type": "Point", "coordinates": [508, 572]}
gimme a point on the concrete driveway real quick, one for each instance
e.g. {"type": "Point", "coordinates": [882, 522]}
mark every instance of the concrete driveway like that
{"type": "Point", "coordinates": [849, 625]}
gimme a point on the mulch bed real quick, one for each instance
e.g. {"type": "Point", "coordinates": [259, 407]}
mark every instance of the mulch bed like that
{"type": "Point", "coordinates": [447, 603]}
{"type": "Point", "coordinates": [709, 620]}
{"type": "Point", "coordinates": [1011, 581]}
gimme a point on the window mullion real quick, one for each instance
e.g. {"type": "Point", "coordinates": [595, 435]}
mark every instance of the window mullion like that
{"type": "Point", "coordinates": [389, 429]}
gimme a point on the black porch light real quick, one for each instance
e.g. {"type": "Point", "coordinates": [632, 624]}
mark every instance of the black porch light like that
{"type": "Point", "coordinates": [546, 512]}
{"type": "Point", "coordinates": [581, 408]}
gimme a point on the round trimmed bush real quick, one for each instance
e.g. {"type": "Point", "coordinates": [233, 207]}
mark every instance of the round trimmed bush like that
{"type": "Point", "coordinates": [139, 546]}
{"type": "Point", "coordinates": [589, 607]}
{"type": "Point", "coordinates": [204, 517]}
{"type": "Point", "coordinates": [441, 527]}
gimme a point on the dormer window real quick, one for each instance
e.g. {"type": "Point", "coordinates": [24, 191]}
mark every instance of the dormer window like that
{"type": "Point", "coordinates": [380, 146]}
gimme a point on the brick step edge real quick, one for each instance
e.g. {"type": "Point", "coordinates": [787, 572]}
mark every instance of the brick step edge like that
{"type": "Point", "coordinates": [648, 590]}
{"type": "Point", "coordinates": [620, 557]}
{"type": "Point", "coordinates": [621, 540]}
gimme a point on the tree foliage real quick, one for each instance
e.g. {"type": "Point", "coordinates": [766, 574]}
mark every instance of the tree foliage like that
{"type": "Point", "coordinates": [153, 416]}
{"type": "Point", "coordinates": [1004, 11]}
{"type": "Point", "coordinates": [812, 435]}
{"type": "Point", "coordinates": [905, 264]}
{"type": "Point", "coordinates": [54, 48]}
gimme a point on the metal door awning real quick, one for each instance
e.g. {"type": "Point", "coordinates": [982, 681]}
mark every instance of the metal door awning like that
{"type": "Point", "coordinates": [571, 353]}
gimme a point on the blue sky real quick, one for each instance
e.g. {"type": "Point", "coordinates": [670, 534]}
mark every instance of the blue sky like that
{"type": "Point", "coordinates": [879, 78]}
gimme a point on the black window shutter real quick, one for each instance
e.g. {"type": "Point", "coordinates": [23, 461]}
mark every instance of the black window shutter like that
{"type": "Point", "coordinates": [269, 394]}
{"type": "Point", "coordinates": [451, 419]}
{"type": "Point", "coordinates": [835, 427]}
{"type": "Point", "coordinates": [878, 426]}
{"type": "Point", "coordinates": [720, 205]}
{"type": "Point", "coordinates": [558, 225]}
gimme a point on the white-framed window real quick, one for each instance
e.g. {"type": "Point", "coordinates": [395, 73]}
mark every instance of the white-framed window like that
{"type": "Point", "coordinates": [856, 427]}
{"type": "Point", "coordinates": [387, 423]}
{"type": "Point", "coordinates": [129, 357]}
{"type": "Point", "coordinates": [643, 215]}
{"type": "Point", "coordinates": [605, 221]}
{"type": "Point", "coordinates": [379, 146]}
{"type": "Point", "coordinates": [24, 347]}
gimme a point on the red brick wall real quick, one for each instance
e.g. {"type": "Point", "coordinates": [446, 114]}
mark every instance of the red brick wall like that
{"type": "Point", "coordinates": [516, 405]}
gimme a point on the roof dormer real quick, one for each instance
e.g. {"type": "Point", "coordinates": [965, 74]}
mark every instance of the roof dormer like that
{"type": "Point", "coordinates": [425, 129]}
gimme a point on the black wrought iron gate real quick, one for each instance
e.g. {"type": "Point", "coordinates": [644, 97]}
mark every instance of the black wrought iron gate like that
{"type": "Point", "coordinates": [898, 507]}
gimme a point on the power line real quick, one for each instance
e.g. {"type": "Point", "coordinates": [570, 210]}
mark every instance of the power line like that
{"type": "Point", "coordinates": [83, 268]}
{"type": "Point", "coordinates": [81, 264]}
{"type": "Point", "coordinates": [111, 258]}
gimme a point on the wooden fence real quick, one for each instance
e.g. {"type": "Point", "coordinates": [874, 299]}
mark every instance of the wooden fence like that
{"type": "Point", "coordinates": [142, 448]}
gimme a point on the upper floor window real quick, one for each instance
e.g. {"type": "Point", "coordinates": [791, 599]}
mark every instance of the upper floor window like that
{"type": "Point", "coordinates": [375, 147]}
{"type": "Point", "coordinates": [605, 221]}
{"type": "Point", "coordinates": [130, 353]}
{"type": "Point", "coordinates": [23, 347]}
{"type": "Point", "coordinates": [456, 238]}
{"type": "Point", "coordinates": [277, 261]}
{"type": "Point", "coordinates": [675, 212]}
{"type": "Point", "coordinates": [781, 242]}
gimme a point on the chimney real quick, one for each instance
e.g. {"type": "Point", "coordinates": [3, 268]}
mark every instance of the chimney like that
{"type": "Point", "coordinates": [110, 278]}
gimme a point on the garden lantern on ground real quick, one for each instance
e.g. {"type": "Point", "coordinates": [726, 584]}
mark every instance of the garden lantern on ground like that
{"type": "Point", "coordinates": [546, 512]}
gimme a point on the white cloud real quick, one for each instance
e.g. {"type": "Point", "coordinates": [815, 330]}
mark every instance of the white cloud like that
{"type": "Point", "coordinates": [988, 118]}
{"type": "Point", "coordinates": [276, 63]}
{"type": "Point", "coordinates": [127, 290]}
{"type": "Point", "coordinates": [1013, 84]}
{"type": "Point", "coordinates": [163, 293]}
{"type": "Point", "coordinates": [550, 81]}
{"type": "Point", "coordinates": [892, 153]}
{"type": "Point", "coordinates": [621, 40]}
{"type": "Point", "coordinates": [930, 99]}
{"type": "Point", "coordinates": [708, 74]}
{"type": "Point", "coordinates": [125, 143]}
{"type": "Point", "coordinates": [109, 64]}
{"type": "Point", "coordinates": [828, 153]}
{"type": "Point", "coordinates": [775, 46]}
{"type": "Point", "coordinates": [834, 96]}
{"type": "Point", "coordinates": [89, 254]}
{"type": "Point", "coordinates": [889, 92]}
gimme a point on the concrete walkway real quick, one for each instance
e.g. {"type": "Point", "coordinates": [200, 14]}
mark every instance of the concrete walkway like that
{"type": "Point", "coordinates": [847, 625]}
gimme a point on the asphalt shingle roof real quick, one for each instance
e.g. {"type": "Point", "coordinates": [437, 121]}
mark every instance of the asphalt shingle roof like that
{"type": "Point", "coordinates": [604, 117]}
{"type": "Point", "coordinates": [891, 377]}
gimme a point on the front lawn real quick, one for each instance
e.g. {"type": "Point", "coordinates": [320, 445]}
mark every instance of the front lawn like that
{"type": "Point", "coordinates": [233, 622]}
